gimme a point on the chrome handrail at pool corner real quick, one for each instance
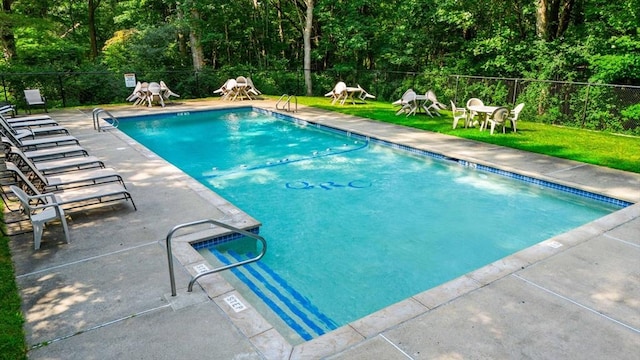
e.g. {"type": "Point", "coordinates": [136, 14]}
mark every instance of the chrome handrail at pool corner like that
{"type": "Point", "coordinates": [287, 102]}
{"type": "Point", "coordinates": [96, 119]}
{"type": "Point", "coordinates": [222, 268]}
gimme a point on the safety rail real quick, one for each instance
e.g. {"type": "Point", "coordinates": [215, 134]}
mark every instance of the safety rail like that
{"type": "Point", "coordinates": [216, 270]}
{"type": "Point", "coordinates": [96, 120]}
{"type": "Point", "coordinates": [287, 102]}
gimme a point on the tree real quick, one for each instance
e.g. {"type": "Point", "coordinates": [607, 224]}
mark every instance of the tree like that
{"type": "Point", "coordinates": [6, 31]}
{"type": "Point", "coordinates": [91, 23]}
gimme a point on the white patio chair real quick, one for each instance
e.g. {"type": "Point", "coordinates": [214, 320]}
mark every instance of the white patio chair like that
{"type": "Point", "coordinates": [39, 215]}
{"type": "Point", "coordinates": [166, 92]}
{"type": "Point", "coordinates": [339, 93]}
{"type": "Point", "coordinates": [458, 113]}
{"type": "Point", "coordinates": [514, 114]}
{"type": "Point", "coordinates": [498, 118]}
{"type": "Point", "coordinates": [154, 90]}
{"type": "Point", "coordinates": [407, 103]}
{"type": "Point", "coordinates": [435, 105]}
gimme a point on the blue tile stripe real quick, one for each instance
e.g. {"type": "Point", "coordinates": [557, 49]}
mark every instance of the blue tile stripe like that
{"type": "Point", "coordinates": [222, 239]}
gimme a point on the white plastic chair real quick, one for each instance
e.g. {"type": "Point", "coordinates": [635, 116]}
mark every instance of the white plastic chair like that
{"type": "Point", "coordinates": [339, 93]}
{"type": "Point", "coordinates": [41, 214]}
{"type": "Point", "coordinates": [458, 113]}
{"type": "Point", "coordinates": [498, 118]}
{"type": "Point", "coordinates": [154, 90]}
{"type": "Point", "coordinates": [435, 105]}
{"type": "Point", "coordinates": [514, 114]}
{"type": "Point", "coordinates": [472, 114]}
{"type": "Point", "coordinates": [407, 103]}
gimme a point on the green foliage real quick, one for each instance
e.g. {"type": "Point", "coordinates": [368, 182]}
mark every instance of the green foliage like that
{"type": "Point", "coordinates": [12, 340]}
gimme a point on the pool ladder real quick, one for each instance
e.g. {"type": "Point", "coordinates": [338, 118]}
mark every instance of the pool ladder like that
{"type": "Point", "coordinates": [285, 102]}
{"type": "Point", "coordinates": [216, 270]}
{"type": "Point", "coordinates": [109, 125]}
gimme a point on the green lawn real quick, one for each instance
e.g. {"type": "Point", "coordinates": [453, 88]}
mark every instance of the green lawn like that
{"type": "Point", "coordinates": [599, 148]}
{"type": "Point", "coordinates": [12, 342]}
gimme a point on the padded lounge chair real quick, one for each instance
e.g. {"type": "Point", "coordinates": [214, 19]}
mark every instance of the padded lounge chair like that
{"type": "Point", "coordinates": [48, 153]}
{"type": "Point", "coordinates": [32, 132]}
{"type": "Point", "coordinates": [48, 167]}
{"type": "Point", "coordinates": [77, 178]}
{"type": "Point", "coordinates": [77, 197]}
{"type": "Point", "coordinates": [39, 142]}
{"type": "Point", "coordinates": [41, 214]}
{"type": "Point", "coordinates": [34, 98]}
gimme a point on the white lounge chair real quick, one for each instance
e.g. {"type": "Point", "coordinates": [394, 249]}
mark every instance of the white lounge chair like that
{"type": "Point", "coordinates": [34, 98]}
{"type": "Point", "coordinates": [47, 211]}
{"type": "Point", "coordinates": [77, 197]}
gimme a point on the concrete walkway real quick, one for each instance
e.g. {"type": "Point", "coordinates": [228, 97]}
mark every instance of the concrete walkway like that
{"type": "Point", "coordinates": [106, 295]}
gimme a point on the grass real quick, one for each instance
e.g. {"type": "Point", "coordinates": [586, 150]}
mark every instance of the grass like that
{"type": "Point", "coordinates": [593, 147]}
{"type": "Point", "coordinates": [12, 341]}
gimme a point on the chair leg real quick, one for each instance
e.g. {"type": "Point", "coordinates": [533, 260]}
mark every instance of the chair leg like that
{"type": "Point", "coordinates": [38, 229]}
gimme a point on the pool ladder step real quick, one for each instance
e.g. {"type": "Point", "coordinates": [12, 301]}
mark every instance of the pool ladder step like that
{"type": "Point", "coordinates": [218, 269]}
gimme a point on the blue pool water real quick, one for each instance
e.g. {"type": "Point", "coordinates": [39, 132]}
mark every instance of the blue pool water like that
{"type": "Point", "coordinates": [352, 226]}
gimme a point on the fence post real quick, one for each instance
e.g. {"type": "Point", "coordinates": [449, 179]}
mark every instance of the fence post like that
{"type": "Point", "coordinates": [586, 104]}
{"type": "Point", "coordinates": [4, 89]}
{"type": "Point", "coordinates": [515, 93]}
{"type": "Point", "coordinates": [64, 101]}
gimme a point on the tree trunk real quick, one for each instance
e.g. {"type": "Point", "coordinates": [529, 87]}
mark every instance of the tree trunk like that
{"type": "Point", "coordinates": [93, 6]}
{"type": "Point", "coordinates": [541, 19]}
{"type": "Point", "coordinates": [6, 32]}
{"type": "Point", "coordinates": [196, 47]}
{"type": "Point", "coordinates": [306, 34]}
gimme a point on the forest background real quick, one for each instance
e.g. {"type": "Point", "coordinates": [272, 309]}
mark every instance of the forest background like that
{"type": "Point", "coordinates": [77, 51]}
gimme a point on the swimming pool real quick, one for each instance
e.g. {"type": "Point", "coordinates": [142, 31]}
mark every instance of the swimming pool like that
{"type": "Point", "coordinates": [354, 226]}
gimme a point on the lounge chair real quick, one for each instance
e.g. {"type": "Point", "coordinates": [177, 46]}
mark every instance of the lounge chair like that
{"type": "Point", "coordinates": [49, 167]}
{"type": "Point", "coordinates": [407, 103]}
{"type": "Point", "coordinates": [34, 98]}
{"type": "Point", "coordinates": [458, 113]}
{"type": "Point", "coordinates": [339, 93]}
{"type": "Point", "coordinates": [70, 179]}
{"type": "Point", "coordinates": [76, 197]}
{"type": "Point", "coordinates": [41, 214]}
{"type": "Point", "coordinates": [36, 142]}
{"type": "Point", "coordinates": [21, 131]}
{"type": "Point", "coordinates": [48, 153]}
{"type": "Point", "coordinates": [8, 108]}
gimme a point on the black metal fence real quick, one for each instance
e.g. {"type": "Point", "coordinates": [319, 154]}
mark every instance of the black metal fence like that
{"type": "Point", "coordinates": [603, 107]}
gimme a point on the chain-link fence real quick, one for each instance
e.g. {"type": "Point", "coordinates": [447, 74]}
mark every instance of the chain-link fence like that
{"type": "Point", "coordinates": [614, 108]}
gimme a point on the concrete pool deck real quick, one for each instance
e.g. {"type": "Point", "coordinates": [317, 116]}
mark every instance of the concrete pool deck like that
{"type": "Point", "coordinates": [106, 295]}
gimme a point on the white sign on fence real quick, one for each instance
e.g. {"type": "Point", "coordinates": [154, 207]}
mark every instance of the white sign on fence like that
{"type": "Point", "coordinates": [130, 80]}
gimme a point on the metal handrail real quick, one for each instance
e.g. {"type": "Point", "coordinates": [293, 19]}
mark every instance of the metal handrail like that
{"type": "Point", "coordinates": [96, 119]}
{"type": "Point", "coordinates": [172, 278]}
{"type": "Point", "coordinates": [287, 102]}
